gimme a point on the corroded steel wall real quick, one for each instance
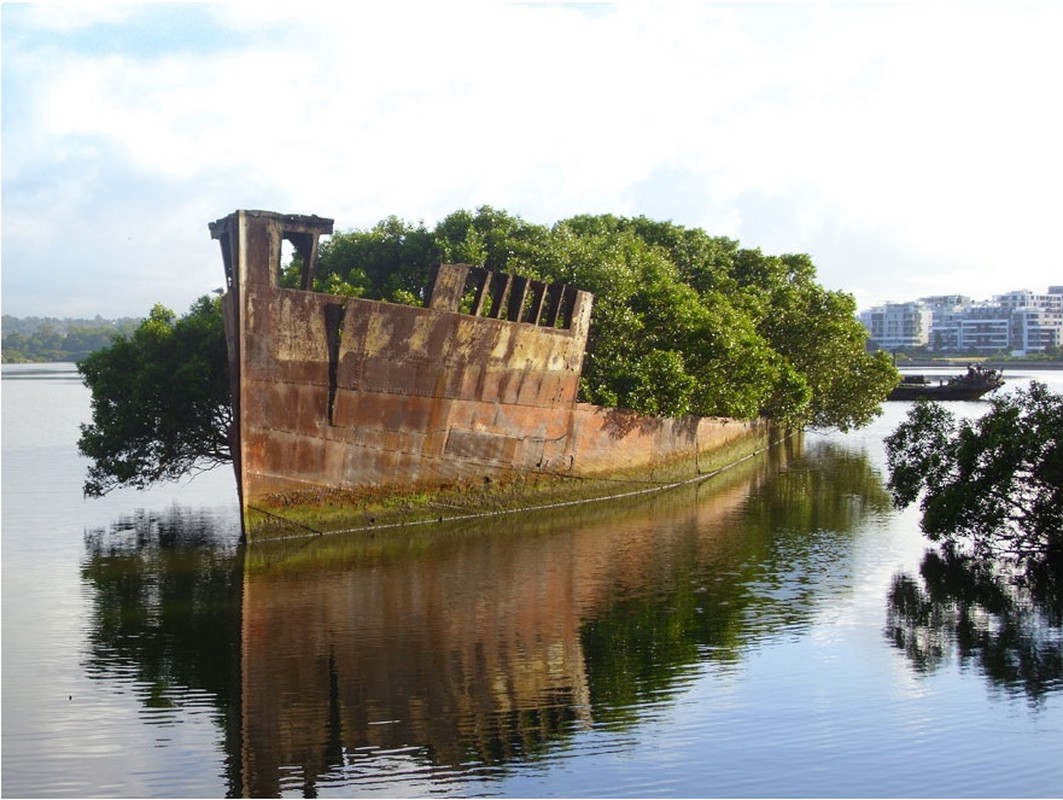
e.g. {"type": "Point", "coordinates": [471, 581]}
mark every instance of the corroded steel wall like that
{"type": "Point", "coordinates": [335, 392]}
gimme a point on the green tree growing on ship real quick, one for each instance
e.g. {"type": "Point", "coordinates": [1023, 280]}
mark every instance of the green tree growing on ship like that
{"type": "Point", "coordinates": [683, 323]}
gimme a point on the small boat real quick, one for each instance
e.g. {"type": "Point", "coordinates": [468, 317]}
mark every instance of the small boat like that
{"type": "Point", "coordinates": [976, 382]}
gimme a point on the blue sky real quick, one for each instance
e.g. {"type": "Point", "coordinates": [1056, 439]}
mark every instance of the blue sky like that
{"type": "Point", "coordinates": [909, 148]}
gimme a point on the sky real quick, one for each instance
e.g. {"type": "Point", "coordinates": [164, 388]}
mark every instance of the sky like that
{"type": "Point", "coordinates": [910, 149]}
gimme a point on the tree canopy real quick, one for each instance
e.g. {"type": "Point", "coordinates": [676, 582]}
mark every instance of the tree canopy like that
{"type": "Point", "coordinates": [160, 400]}
{"type": "Point", "coordinates": [683, 323]}
{"type": "Point", "coordinates": [994, 484]}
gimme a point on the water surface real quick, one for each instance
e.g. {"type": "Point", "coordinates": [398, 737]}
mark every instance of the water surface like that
{"type": "Point", "coordinates": [765, 633]}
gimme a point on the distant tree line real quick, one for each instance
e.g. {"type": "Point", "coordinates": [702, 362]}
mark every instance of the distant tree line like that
{"type": "Point", "coordinates": [50, 339]}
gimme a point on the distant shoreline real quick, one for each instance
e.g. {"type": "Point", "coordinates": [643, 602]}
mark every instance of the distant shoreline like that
{"type": "Point", "coordinates": [1005, 364]}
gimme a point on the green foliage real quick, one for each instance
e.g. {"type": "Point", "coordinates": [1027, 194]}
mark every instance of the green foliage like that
{"type": "Point", "coordinates": [993, 484]}
{"type": "Point", "coordinates": [493, 239]}
{"type": "Point", "coordinates": [391, 259]}
{"type": "Point", "coordinates": [160, 400]}
{"type": "Point", "coordinates": [813, 330]}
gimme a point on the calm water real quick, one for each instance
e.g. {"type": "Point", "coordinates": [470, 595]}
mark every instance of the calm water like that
{"type": "Point", "coordinates": [743, 637]}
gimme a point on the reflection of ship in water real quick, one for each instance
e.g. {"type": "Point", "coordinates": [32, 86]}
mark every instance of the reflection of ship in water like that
{"type": "Point", "coordinates": [449, 648]}
{"type": "Point", "coordinates": [447, 655]}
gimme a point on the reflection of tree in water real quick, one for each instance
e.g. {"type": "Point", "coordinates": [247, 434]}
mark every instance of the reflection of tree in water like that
{"type": "Point", "coordinates": [1010, 628]}
{"type": "Point", "coordinates": [829, 488]}
{"type": "Point", "coordinates": [166, 609]}
{"type": "Point", "coordinates": [783, 555]}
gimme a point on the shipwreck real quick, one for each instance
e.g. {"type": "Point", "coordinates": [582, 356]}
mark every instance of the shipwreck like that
{"type": "Point", "coordinates": [355, 414]}
{"type": "Point", "coordinates": [971, 385]}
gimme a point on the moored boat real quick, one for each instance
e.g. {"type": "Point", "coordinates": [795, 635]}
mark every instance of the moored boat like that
{"type": "Point", "coordinates": [971, 385]}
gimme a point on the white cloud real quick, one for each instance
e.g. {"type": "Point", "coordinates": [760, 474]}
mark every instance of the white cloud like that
{"type": "Point", "coordinates": [898, 144]}
{"type": "Point", "coordinates": [73, 16]}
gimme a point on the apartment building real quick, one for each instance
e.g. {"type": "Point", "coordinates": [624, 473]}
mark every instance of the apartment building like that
{"type": "Point", "coordinates": [899, 325]}
{"type": "Point", "coordinates": [1017, 322]}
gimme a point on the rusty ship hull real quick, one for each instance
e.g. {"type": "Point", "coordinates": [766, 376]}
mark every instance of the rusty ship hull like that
{"type": "Point", "coordinates": [349, 413]}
